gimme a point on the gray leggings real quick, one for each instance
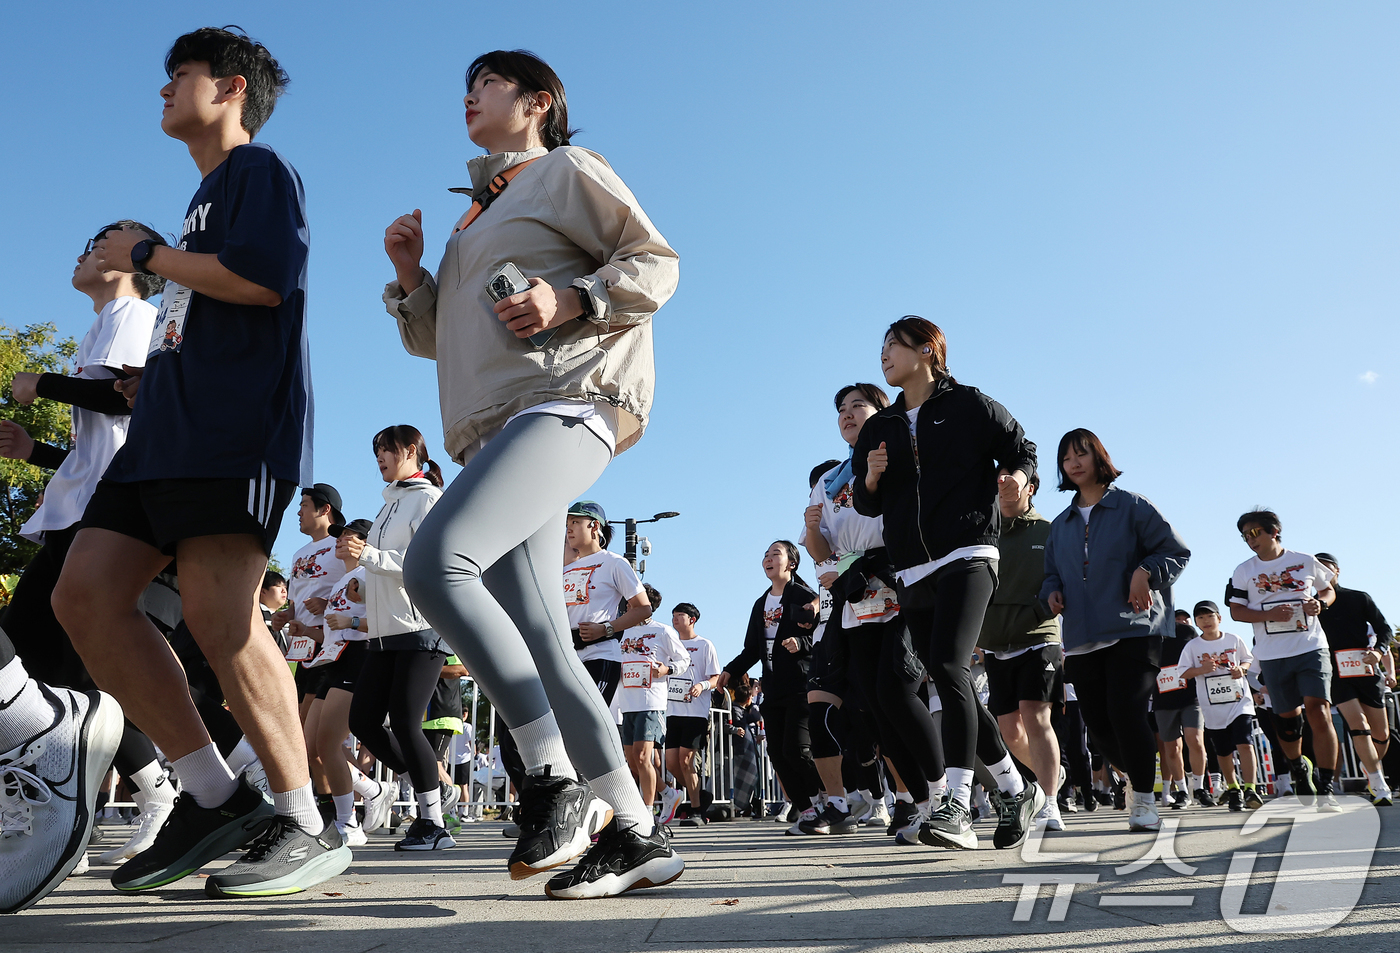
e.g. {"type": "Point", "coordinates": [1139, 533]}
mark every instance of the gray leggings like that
{"type": "Point", "coordinates": [485, 569]}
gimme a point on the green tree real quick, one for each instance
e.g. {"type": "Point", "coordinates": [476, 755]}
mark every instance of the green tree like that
{"type": "Point", "coordinates": [36, 348]}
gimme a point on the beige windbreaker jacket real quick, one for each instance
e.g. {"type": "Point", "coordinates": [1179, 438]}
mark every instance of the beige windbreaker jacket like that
{"type": "Point", "coordinates": [570, 220]}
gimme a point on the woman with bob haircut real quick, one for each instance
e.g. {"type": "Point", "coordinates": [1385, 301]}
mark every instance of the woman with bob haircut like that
{"type": "Point", "coordinates": [1110, 562]}
{"type": "Point", "coordinates": [539, 318]}
{"type": "Point", "coordinates": [929, 465]}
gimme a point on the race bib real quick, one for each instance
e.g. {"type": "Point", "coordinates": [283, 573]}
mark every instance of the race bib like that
{"type": "Point", "coordinates": [877, 606]}
{"type": "Point", "coordinates": [678, 688]}
{"type": "Point", "coordinates": [1298, 622]}
{"type": "Point", "coordinates": [1223, 689]}
{"type": "Point", "coordinates": [169, 332]}
{"type": "Point", "coordinates": [1169, 679]}
{"type": "Point", "coordinates": [301, 648]}
{"type": "Point", "coordinates": [1351, 663]}
{"type": "Point", "coordinates": [636, 674]}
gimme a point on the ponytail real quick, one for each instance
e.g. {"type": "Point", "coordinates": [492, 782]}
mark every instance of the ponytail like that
{"type": "Point", "coordinates": [432, 471]}
{"type": "Point", "coordinates": [401, 437]}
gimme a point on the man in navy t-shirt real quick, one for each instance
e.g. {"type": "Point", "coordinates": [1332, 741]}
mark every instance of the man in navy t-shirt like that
{"type": "Point", "coordinates": [218, 443]}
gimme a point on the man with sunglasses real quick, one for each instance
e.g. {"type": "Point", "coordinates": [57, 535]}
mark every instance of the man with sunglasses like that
{"type": "Point", "coordinates": [1282, 592]}
{"type": "Point", "coordinates": [119, 335]}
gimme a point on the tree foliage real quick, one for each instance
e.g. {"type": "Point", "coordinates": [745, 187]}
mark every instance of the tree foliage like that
{"type": "Point", "coordinates": [36, 348]}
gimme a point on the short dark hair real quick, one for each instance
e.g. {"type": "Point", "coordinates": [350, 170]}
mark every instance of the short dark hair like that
{"type": "Point", "coordinates": [916, 333]}
{"type": "Point", "coordinates": [870, 392]}
{"type": "Point", "coordinates": [1267, 519]}
{"type": "Point", "coordinates": [273, 578]}
{"type": "Point", "coordinates": [1085, 441]}
{"type": "Point", "coordinates": [818, 470]}
{"type": "Point", "coordinates": [147, 285]}
{"type": "Point", "coordinates": [229, 51]}
{"type": "Point", "coordinates": [653, 595]}
{"type": "Point", "coordinates": [689, 609]}
{"type": "Point", "coordinates": [532, 75]}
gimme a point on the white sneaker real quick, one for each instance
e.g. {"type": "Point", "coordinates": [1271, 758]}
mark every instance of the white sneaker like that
{"type": "Point", "coordinates": [378, 808]}
{"type": "Point", "coordinates": [781, 816]}
{"type": "Point", "coordinates": [48, 789]}
{"type": "Point", "coordinates": [353, 835]}
{"type": "Point", "coordinates": [1144, 815]}
{"type": "Point", "coordinates": [808, 815]}
{"type": "Point", "coordinates": [858, 806]}
{"type": "Point", "coordinates": [1048, 819]}
{"type": "Point", "coordinates": [83, 866]}
{"type": "Point", "coordinates": [670, 800]}
{"type": "Point", "coordinates": [257, 777]}
{"type": "Point", "coordinates": [148, 824]}
{"type": "Point", "coordinates": [879, 815]}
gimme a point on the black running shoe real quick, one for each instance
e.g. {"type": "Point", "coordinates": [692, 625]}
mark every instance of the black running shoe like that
{"type": "Point", "coordinates": [283, 859]}
{"type": "Point", "coordinates": [1120, 795]}
{"type": "Point", "coordinates": [1180, 800]}
{"type": "Point", "coordinates": [818, 823]}
{"type": "Point", "coordinates": [951, 826]}
{"type": "Point", "coordinates": [840, 822]}
{"type": "Point", "coordinates": [1015, 815]}
{"type": "Point", "coordinates": [619, 862]}
{"type": "Point", "coordinates": [904, 813]}
{"type": "Point", "coordinates": [1091, 803]}
{"type": "Point", "coordinates": [423, 834]}
{"type": "Point", "coordinates": [1103, 798]}
{"type": "Point", "coordinates": [1204, 798]}
{"type": "Point", "coordinates": [557, 818]}
{"type": "Point", "coordinates": [1301, 773]}
{"type": "Point", "coordinates": [1252, 800]}
{"type": "Point", "coordinates": [1234, 798]}
{"type": "Point", "coordinates": [193, 836]}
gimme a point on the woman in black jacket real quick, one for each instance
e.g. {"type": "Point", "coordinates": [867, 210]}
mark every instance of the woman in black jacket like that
{"type": "Point", "coordinates": [780, 634]}
{"type": "Point", "coordinates": [928, 464]}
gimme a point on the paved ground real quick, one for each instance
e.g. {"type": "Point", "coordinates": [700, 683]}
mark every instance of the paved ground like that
{"type": "Point", "coordinates": [748, 887]}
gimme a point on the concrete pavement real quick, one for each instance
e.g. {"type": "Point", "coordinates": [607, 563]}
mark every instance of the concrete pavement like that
{"type": "Point", "coordinates": [749, 887]}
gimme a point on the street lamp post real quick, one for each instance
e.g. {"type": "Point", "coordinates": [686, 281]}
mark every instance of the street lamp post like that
{"type": "Point", "coordinates": [630, 528]}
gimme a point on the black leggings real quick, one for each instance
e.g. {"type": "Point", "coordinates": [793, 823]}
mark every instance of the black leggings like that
{"type": "Point", "coordinates": [949, 628]}
{"type": "Point", "coordinates": [398, 684]}
{"type": "Point", "coordinates": [1114, 685]}
{"type": "Point", "coordinates": [890, 676]}
{"type": "Point", "coordinates": [1074, 747]}
{"type": "Point", "coordinates": [790, 748]}
{"type": "Point", "coordinates": [860, 763]}
{"type": "Point", "coordinates": [828, 729]}
{"type": "Point", "coordinates": [7, 649]}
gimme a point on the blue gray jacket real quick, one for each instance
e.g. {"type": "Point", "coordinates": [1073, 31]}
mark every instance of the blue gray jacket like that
{"type": "Point", "coordinates": [1125, 531]}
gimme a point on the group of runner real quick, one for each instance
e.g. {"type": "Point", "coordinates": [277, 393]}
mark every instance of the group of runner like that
{"type": "Point", "coordinates": [120, 640]}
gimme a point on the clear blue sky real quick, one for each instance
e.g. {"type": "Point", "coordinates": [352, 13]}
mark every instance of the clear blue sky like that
{"type": "Point", "coordinates": [1172, 225]}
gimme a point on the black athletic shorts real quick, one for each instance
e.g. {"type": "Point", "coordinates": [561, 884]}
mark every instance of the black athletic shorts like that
{"type": "Point", "coordinates": [343, 672]}
{"type": "Point", "coordinates": [307, 679]}
{"type": "Point", "coordinates": [1225, 740]}
{"type": "Point", "coordinates": [440, 739]}
{"type": "Point", "coordinates": [160, 513]}
{"type": "Point", "coordinates": [1368, 689]}
{"type": "Point", "coordinates": [1034, 676]}
{"type": "Point", "coordinates": [822, 676]}
{"type": "Point", "coordinates": [462, 774]}
{"type": "Point", "coordinates": [606, 674]}
{"type": "Point", "coordinates": [687, 731]}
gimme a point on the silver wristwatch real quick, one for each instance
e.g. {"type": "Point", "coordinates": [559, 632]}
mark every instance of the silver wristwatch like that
{"type": "Point", "coordinates": [608, 630]}
{"type": "Point", "coordinates": [355, 622]}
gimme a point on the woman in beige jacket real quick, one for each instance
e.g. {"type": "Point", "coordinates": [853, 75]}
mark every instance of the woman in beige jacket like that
{"type": "Point", "coordinates": [539, 390]}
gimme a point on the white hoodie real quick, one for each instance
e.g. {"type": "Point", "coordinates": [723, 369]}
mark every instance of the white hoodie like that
{"type": "Point", "coordinates": [387, 606]}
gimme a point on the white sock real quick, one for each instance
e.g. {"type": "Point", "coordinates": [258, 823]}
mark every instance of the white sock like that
{"type": "Point", "coordinates": [837, 802]}
{"type": "Point", "coordinates": [241, 756]}
{"type": "Point", "coordinates": [344, 809]}
{"type": "Point", "coordinates": [866, 796]}
{"type": "Point", "coordinates": [1145, 798]}
{"type": "Point", "coordinates": [619, 790]}
{"type": "Point", "coordinates": [1378, 782]}
{"type": "Point", "coordinates": [300, 805]}
{"type": "Point", "coordinates": [150, 785]}
{"type": "Point", "coordinates": [24, 711]}
{"type": "Point", "coordinates": [205, 776]}
{"type": "Point", "coordinates": [905, 796]}
{"type": "Point", "coordinates": [366, 787]}
{"type": "Point", "coordinates": [542, 746]}
{"type": "Point", "coordinates": [960, 785]}
{"type": "Point", "coordinates": [1100, 786]}
{"type": "Point", "coordinates": [430, 806]}
{"type": "Point", "coordinates": [1008, 776]}
{"type": "Point", "coordinates": [1196, 781]}
{"type": "Point", "coordinates": [938, 788]}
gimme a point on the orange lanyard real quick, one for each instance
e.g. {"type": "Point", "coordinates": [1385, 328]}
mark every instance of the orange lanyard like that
{"type": "Point", "coordinates": [495, 188]}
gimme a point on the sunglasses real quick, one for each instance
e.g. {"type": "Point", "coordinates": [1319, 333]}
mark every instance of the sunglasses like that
{"type": "Point", "coordinates": [91, 242]}
{"type": "Point", "coordinates": [1254, 533]}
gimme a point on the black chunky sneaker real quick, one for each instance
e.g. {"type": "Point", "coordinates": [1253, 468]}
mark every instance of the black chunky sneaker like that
{"type": "Point", "coordinates": [1204, 797]}
{"type": "Point", "coordinates": [904, 813]}
{"type": "Point", "coordinates": [1015, 815]}
{"type": "Point", "coordinates": [557, 818]}
{"type": "Point", "coordinates": [1234, 799]}
{"type": "Point", "coordinates": [622, 860]}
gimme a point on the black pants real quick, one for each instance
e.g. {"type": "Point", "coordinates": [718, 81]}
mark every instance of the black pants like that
{"type": "Point", "coordinates": [860, 761]}
{"type": "Point", "coordinates": [1074, 747]}
{"type": "Point", "coordinates": [607, 674]}
{"type": "Point", "coordinates": [947, 632]}
{"type": "Point", "coordinates": [890, 676]}
{"type": "Point", "coordinates": [828, 729]}
{"type": "Point", "coordinates": [398, 684]}
{"type": "Point", "coordinates": [790, 748]}
{"type": "Point", "coordinates": [1114, 685]}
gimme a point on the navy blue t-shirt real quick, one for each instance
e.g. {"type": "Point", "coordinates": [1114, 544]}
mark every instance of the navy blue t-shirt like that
{"type": "Point", "coordinates": [227, 387]}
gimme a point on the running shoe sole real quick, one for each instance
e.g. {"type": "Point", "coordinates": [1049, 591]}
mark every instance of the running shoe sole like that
{"type": "Point", "coordinates": [231, 836]}
{"type": "Point", "coordinates": [657, 872]}
{"type": "Point", "coordinates": [436, 845]}
{"type": "Point", "coordinates": [97, 743]}
{"type": "Point", "coordinates": [330, 864]}
{"type": "Point", "coordinates": [596, 808]}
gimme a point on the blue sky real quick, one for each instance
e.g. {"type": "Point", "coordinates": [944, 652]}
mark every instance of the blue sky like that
{"type": "Point", "coordinates": [1172, 225]}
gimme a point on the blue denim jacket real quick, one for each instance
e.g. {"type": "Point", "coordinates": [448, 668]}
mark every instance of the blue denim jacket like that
{"type": "Point", "coordinates": [1125, 531]}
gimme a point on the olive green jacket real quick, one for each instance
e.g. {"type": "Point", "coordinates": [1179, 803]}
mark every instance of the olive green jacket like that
{"type": "Point", "coordinates": [1017, 619]}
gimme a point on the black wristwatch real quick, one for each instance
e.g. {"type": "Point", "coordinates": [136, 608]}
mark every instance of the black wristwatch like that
{"type": "Point", "coordinates": [585, 301]}
{"type": "Point", "coordinates": [141, 253]}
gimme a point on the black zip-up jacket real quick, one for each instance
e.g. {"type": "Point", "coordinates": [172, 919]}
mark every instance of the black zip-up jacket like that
{"type": "Point", "coordinates": [786, 675]}
{"type": "Point", "coordinates": [944, 497]}
{"type": "Point", "coordinates": [1344, 621]}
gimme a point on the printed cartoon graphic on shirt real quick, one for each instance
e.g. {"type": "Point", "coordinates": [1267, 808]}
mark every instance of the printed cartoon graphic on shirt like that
{"type": "Point", "coordinates": [843, 499]}
{"type": "Point", "coordinates": [639, 645]}
{"type": "Point", "coordinates": [1281, 582]}
{"type": "Point", "coordinates": [309, 566]}
{"type": "Point", "coordinates": [771, 617]}
{"type": "Point", "coordinates": [577, 582]}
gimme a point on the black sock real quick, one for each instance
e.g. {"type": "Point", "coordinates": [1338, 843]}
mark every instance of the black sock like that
{"type": "Point", "coordinates": [1325, 775]}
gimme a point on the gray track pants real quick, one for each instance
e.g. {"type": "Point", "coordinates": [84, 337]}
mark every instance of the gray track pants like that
{"type": "Point", "coordinates": [485, 569]}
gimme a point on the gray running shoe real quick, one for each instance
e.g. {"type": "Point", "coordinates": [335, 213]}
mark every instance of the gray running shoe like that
{"type": "Point", "coordinates": [949, 826]}
{"type": "Point", "coordinates": [284, 859]}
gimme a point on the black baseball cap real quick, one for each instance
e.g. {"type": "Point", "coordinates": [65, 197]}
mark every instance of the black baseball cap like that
{"type": "Point", "coordinates": [1205, 605]}
{"type": "Point", "coordinates": [358, 528]}
{"type": "Point", "coordinates": [1327, 558]}
{"type": "Point", "coordinates": [323, 494]}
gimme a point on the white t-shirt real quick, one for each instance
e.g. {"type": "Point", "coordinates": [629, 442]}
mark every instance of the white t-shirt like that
{"type": "Point", "coordinates": [772, 615]}
{"type": "Point", "coordinates": [119, 335]}
{"type": "Point", "coordinates": [593, 588]}
{"type": "Point", "coordinates": [847, 532]}
{"type": "Point", "coordinates": [649, 642]}
{"type": "Point", "coordinates": [1292, 577]}
{"type": "Point", "coordinates": [1084, 512]}
{"type": "Point", "coordinates": [1222, 698]}
{"type": "Point", "coordinates": [598, 416]}
{"type": "Point", "coordinates": [315, 571]}
{"type": "Point", "coordinates": [704, 665]}
{"type": "Point", "coordinates": [339, 602]}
